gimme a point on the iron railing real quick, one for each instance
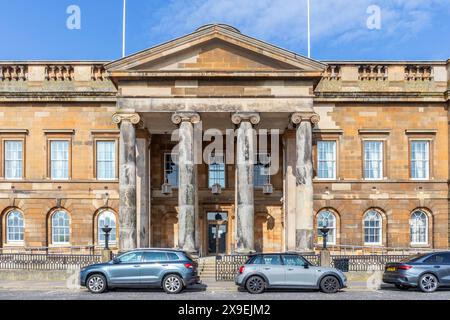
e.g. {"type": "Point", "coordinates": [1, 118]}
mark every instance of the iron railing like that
{"type": "Point", "coordinates": [228, 265]}
{"type": "Point", "coordinates": [76, 250]}
{"type": "Point", "coordinates": [348, 263]}
{"type": "Point", "coordinates": [26, 261]}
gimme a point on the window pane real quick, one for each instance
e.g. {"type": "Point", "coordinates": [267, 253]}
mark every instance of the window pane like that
{"type": "Point", "coordinates": [106, 160]}
{"type": "Point", "coordinates": [326, 158]}
{"type": "Point", "coordinates": [154, 256]}
{"type": "Point", "coordinates": [13, 159]}
{"type": "Point", "coordinates": [272, 259]}
{"type": "Point", "coordinates": [372, 228]}
{"type": "Point", "coordinates": [216, 171]}
{"type": "Point", "coordinates": [419, 228]}
{"type": "Point", "coordinates": [170, 170]}
{"type": "Point", "coordinates": [292, 260]}
{"type": "Point", "coordinates": [420, 159]}
{"type": "Point", "coordinates": [59, 160]}
{"type": "Point", "coordinates": [131, 257]}
{"type": "Point", "coordinates": [373, 159]}
{"type": "Point", "coordinates": [261, 173]}
{"type": "Point", "coordinates": [60, 227]}
{"type": "Point", "coordinates": [15, 227]}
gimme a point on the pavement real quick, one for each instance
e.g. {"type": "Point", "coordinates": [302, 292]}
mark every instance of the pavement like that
{"type": "Point", "coordinates": [209, 290]}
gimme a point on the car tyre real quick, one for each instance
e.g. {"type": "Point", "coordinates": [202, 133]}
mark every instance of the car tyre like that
{"type": "Point", "coordinates": [96, 283]}
{"type": "Point", "coordinates": [329, 284]}
{"type": "Point", "coordinates": [428, 283]}
{"type": "Point", "coordinates": [255, 285]}
{"type": "Point", "coordinates": [172, 284]}
{"type": "Point", "coordinates": [401, 287]}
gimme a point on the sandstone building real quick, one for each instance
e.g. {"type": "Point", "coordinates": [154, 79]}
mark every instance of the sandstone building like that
{"type": "Point", "coordinates": [364, 147]}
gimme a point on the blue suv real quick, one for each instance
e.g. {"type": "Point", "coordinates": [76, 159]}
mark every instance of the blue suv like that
{"type": "Point", "coordinates": [172, 270]}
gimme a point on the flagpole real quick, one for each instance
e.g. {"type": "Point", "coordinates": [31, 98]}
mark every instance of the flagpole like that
{"type": "Point", "coordinates": [124, 26]}
{"type": "Point", "coordinates": [309, 30]}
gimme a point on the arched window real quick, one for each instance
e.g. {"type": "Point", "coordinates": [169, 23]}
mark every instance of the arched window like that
{"type": "Point", "coordinates": [419, 227]}
{"type": "Point", "coordinates": [373, 228]}
{"type": "Point", "coordinates": [60, 227]}
{"type": "Point", "coordinates": [327, 218]}
{"type": "Point", "coordinates": [107, 218]}
{"type": "Point", "coordinates": [14, 227]}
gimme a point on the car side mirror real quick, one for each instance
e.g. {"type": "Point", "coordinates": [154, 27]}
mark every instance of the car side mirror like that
{"type": "Point", "coordinates": [116, 261]}
{"type": "Point", "coordinates": [306, 266]}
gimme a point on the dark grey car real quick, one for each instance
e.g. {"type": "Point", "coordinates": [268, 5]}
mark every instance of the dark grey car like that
{"type": "Point", "coordinates": [428, 272]}
{"type": "Point", "coordinates": [173, 270]}
{"type": "Point", "coordinates": [287, 271]}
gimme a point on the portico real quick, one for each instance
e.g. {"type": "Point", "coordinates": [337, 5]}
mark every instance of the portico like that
{"type": "Point", "coordinates": [217, 79]}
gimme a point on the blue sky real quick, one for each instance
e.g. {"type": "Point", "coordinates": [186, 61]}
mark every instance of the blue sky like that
{"type": "Point", "coordinates": [410, 29]}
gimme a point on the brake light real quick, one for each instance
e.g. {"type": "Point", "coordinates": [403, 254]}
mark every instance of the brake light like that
{"type": "Point", "coordinates": [188, 265]}
{"type": "Point", "coordinates": [241, 269]}
{"type": "Point", "coordinates": [404, 267]}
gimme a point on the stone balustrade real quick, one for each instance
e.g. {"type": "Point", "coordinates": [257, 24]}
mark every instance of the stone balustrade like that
{"type": "Point", "coordinates": [333, 72]}
{"type": "Point", "coordinates": [99, 73]}
{"type": "Point", "coordinates": [418, 73]}
{"type": "Point", "coordinates": [52, 71]}
{"type": "Point", "coordinates": [360, 81]}
{"type": "Point", "coordinates": [13, 72]}
{"type": "Point", "coordinates": [373, 72]}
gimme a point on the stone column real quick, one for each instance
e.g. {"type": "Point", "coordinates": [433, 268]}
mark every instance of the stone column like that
{"type": "Point", "coordinates": [143, 187]}
{"type": "Point", "coordinates": [245, 159]}
{"type": "Point", "coordinates": [304, 220]}
{"type": "Point", "coordinates": [187, 180]}
{"type": "Point", "coordinates": [289, 189]}
{"type": "Point", "coordinates": [127, 179]}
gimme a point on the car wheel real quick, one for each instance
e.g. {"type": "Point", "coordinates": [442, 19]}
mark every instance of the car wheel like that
{"type": "Point", "coordinates": [401, 287]}
{"type": "Point", "coordinates": [329, 284]}
{"type": "Point", "coordinates": [96, 283]}
{"type": "Point", "coordinates": [172, 284]}
{"type": "Point", "coordinates": [255, 285]}
{"type": "Point", "coordinates": [428, 283]}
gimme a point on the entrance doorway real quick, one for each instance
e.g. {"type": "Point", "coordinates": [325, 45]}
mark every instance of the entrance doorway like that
{"type": "Point", "coordinates": [217, 232]}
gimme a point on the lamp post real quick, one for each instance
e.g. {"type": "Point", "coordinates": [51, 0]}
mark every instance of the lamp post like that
{"type": "Point", "coordinates": [219, 219]}
{"type": "Point", "coordinates": [325, 230]}
{"type": "Point", "coordinates": [106, 229]}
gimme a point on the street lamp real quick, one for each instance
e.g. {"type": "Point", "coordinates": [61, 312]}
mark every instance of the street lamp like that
{"type": "Point", "coordinates": [106, 230]}
{"type": "Point", "coordinates": [325, 230]}
{"type": "Point", "coordinates": [166, 188]}
{"type": "Point", "coordinates": [267, 188]}
{"type": "Point", "coordinates": [216, 189]}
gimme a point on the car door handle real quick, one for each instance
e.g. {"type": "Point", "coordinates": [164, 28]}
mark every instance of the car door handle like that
{"type": "Point", "coordinates": [266, 268]}
{"type": "Point", "coordinates": [137, 266]}
{"type": "Point", "coordinates": [437, 267]}
{"type": "Point", "coordinates": [290, 269]}
{"type": "Point", "coordinates": [165, 265]}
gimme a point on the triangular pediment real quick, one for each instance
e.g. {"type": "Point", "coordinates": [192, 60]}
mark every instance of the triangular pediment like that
{"type": "Point", "coordinates": [215, 48]}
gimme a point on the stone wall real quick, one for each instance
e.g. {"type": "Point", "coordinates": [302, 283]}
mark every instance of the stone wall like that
{"type": "Point", "coordinates": [36, 195]}
{"type": "Point", "coordinates": [396, 196]}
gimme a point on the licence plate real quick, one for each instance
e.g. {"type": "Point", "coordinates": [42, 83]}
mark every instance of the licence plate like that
{"type": "Point", "coordinates": [391, 269]}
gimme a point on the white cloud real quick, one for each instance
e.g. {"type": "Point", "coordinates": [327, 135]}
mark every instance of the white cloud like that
{"type": "Point", "coordinates": [284, 21]}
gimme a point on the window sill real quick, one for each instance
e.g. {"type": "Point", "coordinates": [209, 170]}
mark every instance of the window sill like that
{"type": "Point", "coordinates": [14, 245]}
{"type": "Point", "coordinates": [420, 245]}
